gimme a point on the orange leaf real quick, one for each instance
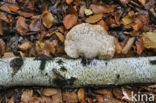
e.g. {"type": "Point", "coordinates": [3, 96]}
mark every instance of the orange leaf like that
{"type": "Point", "coordinates": [128, 45]}
{"type": "Point", "coordinates": [143, 2]}
{"type": "Point", "coordinates": [25, 46]}
{"type": "Point", "coordinates": [81, 94]}
{"type": "Point", "coordinates": [69, 1]}
{"type": "Point", "coordinates": [25, 14]}
{"type": "Point", "coordinates": [60, 36]}
{"type": "Point", "coordinates": [26, 96]}
{"type": "Point", "coordinates": [69, 21]}
{"type": "Point", "coordinates": [49, 91]}
{"type": "Point", "coordinates": [13, 7]}
{"type": "Point", "coordinates": [94, 18]}
{"type": "Point", "coordinates": [103, 24]}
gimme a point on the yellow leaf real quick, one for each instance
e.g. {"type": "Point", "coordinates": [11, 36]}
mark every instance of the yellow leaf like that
{"type": "Point", "coordinates": [149, 40]}
{"type": "Point", "coordinates": [127, 20]}
{"type": "Point", "coordinates": [143, 2]}
{"type": "Point", "coordinates": [88, 12]}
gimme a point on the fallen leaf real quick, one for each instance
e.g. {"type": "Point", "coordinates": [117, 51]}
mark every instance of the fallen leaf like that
{"type": "Point", "coordinates": [49, 91]}
{"type": "Point", "coordinates": [46, 99]}
{"type": "Point", "coordinates": [69, 1]}
{"type": "Point", "coordinates": [103, 24]}
{"type": "Point", "coordinates": [98, 9]}
{"type": "Point", "coordinates": [124, 2]}
{"type": "Point", "coordinates": [25, 46]}
{"type": "Point", "coordinates": [143, 2]}
{"type": "Point", "coordinates": [8, 55]}
{"type": "Point", "coordinates": [34, 100]}
{"type": "Point", "coordinates": [100, 99]}
{"type": "Point", "coordinates": [82, 10]}
{"type": "Point", "coordinates": [2, 47]}
{"type": "Point", "coordinates": [88, 12]}
{"type": "Point", "coordinates": [106, 92]}
{"type": "Point", "coordinates": [21, 26]}
{"type": "Point", "coordinates": [35, 25]}
{"type": "Point", "coordinates": [51, 46]}
{"type": "Point", "coordinates": [127, 20]}
{"type": "Point", "coordinates": [118, 48]}
{"type": "Point", "coordinates": [4, 17]}
{"type": "Point", "coordinates": [149, 40]}
{"type": "Point", "coordinates": [13, 7]}
{"type": "Point", "coordinates": [47, 19]}
{"type": "Point", "coordinates": [5, 8]}
{"type": "Point", "coordinates": [81, 94]}
{"type": "Point", "coordinates": [94, 18]}
{"type": "Point", "coordinates": [117, 93]}
{"type": "Point", "coordinates": [57, 98]}
{"type": "Point", "coordinates": [70, 20]}
{"type": "Point", "coordinates": [139, 46]}
{"type": "Point", "coordinates": [1, 28]}
{"type": "Point", "coordinates": [11, 100]}
{"type": "Point", "coordinates": [70, 97]}
{"type": "Point", "coordinates": [25, 14]}
{"type": "Point", "coordinates": [60, 36]}
{"type": "Point", "coordinates": [128, 45]}
{"type": "Point", "coordinates": [26, 96]}
{"type": "Point", "coordinates": [112, 100]}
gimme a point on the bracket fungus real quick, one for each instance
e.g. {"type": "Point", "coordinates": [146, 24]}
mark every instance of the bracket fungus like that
{"type": "Point", "coordinates": [89, 41]}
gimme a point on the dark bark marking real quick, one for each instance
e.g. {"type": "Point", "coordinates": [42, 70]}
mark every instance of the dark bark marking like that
{"type": "Point", "coordinates": [153, 62]}
{"type": "Point", "coordinates": [85, 61]}
{"type": "Point", "coordinates": [16, 64]}
{"type": "Point", "coordinates": [43, 59]}
{"type": "Point", "coordinates": [63, 69]}
{"type": "Point", "coordinates": [60, 61]}
{"type": "Point", "coordinates": [60, 81]}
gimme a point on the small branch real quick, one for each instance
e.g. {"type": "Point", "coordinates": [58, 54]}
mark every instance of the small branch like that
{"type": "Point", "coordinates": [60, 72]}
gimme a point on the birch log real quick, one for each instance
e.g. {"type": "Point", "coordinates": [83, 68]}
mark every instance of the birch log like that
{"type": "Point", "coordinates": [60, 72]}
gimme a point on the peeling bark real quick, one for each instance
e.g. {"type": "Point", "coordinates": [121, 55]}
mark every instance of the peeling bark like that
{"type": "Point", "coordinates": [60, 72]}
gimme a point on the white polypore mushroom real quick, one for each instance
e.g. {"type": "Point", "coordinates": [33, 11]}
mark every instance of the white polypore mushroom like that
{"type": "Point", "coordinates": [89, 41]}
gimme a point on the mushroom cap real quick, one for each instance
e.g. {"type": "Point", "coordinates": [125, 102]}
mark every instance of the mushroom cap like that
{"type": "Point", "coordinates": [89, 41]}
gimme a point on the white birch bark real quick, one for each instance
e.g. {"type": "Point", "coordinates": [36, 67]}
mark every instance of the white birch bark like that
{"type": "Point", "coordinates": [60, 72]}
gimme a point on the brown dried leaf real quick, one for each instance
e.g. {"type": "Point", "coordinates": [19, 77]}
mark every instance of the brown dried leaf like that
{"type": "Point", "coordinates": [8, 55]}
{"type": "Point", "coordinates": [25, 46]}
{"type": "Point", "coordinates": [117, 93]}
{"type": "Point", "coordinates": [60, 36]}
{"type": "Point", "coordinates": [106, 92]}
{"type": "Point", "coordinates": [35, 25]}
{"type": "Point", "coordinates": [11, 100]}
{"type": "Point", "coordinates": [69, 1]}
{"type": "Point", "coordinates": [49, 91]}
{"type": "Point", "coordinates": [124, 2]}
{"type": "Point", "coordinates": [47, 19]}
{"type": "Point", "coordinates": [57, 98]}
{"type": "Point", "coordinates": [98, 9]}
{"type": "Point", "coordinates": [5, 8]}
{"type": "Point", "coordinates": [51, 46]}
{"type": "Point", "coordinates": [94, 18]}
{"type": "Point", "coordinates": [111, 100]}
{"type": "Point", "coordinates": [1, 28]}
{"type": "Point", "coordinates": [103, 24]}
{"type": "Point", "coordinates": [21, 25]}
{"type": "Point", "coordinates": [82, 10]}
{"type": "Point", "coordinates": [70, 20]}
{"type": "Point", "coordinates": [4, 17]}
{"type": "Point", "coordinates": [2, 47]}
{"type": "Point", "coordinates": [118, 48]}
{"type": "Point", "coordinates": [100, 99]}
{"type": "Point", "coordinates": [149, 40]}
{"type": "Point", "coordinates": [143, 2]}
{"type": "Point", "coordinates": [46, 99]}
{"type": "Point", "coordinates": [139, 46]}
{"type": "Point", "coordinates": [81, 94]}
{"type": "Point", "coordinates": [70, 97]}
{"type": "Point", "coordinates": [25, 14]}
{"type": "Point", "coordinates": [128, 45]}
{"type": "Point", "coordinates": [34, 100]}
{"type": "Point", "coordinates": [26, 96]}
